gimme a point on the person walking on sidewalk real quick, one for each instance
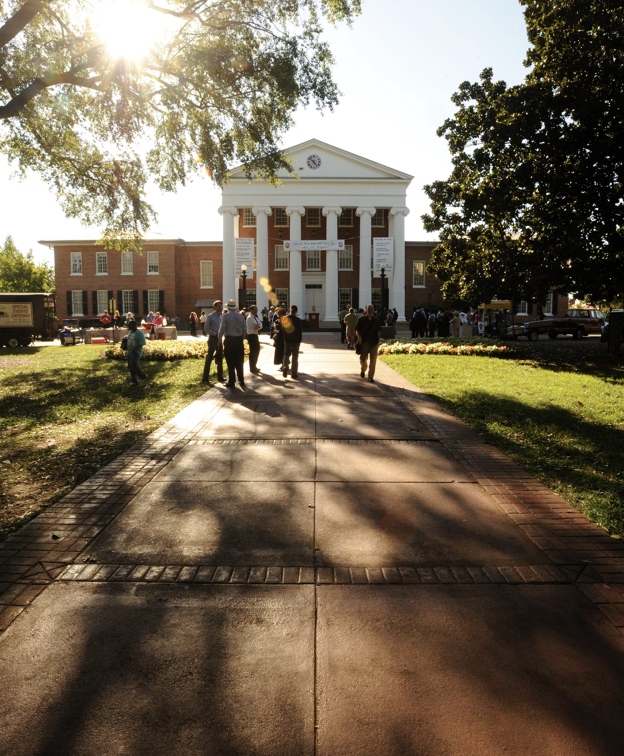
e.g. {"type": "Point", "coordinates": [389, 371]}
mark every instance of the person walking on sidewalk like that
{"type": "Point", "coordinates": [351, 323]}
{"type": "Point", "coordinates": [215, 348]}
{"type": "Point", "coordinates": [233, 330]}
{"type": "Point", "coordinates": [368, 330]}
{"type": "Point", "coordinates": [254, 326]}
{"type": "Point", "coordinates": [136, 342]}
{"type": "Point", "coordinates": [293, 336]}
{"type": "Point", "coordinates": [343, 329]}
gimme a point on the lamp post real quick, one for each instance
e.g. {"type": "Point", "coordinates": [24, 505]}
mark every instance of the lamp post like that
{"type": "Point", "coordinates": [382, 275]}
{"type": "Point", "coordinates": [244, 277]}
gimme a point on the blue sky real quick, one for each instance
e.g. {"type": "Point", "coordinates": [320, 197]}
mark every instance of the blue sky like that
{"type": "Point", "coordinates": [397, 68]}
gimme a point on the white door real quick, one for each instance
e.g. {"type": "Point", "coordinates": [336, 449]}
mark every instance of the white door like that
{"type": "Point", "coordinates": [314, 299]}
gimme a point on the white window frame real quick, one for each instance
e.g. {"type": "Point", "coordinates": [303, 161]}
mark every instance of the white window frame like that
{"type": "Point", "coordinates": [345, 220]}
{"type": "Point", "coordinates": [127, 264]}
{"type": "Point", "coordinates": [77, 309]}
{"type": "Point", "coordinates": [421, 276]}
{"type": "Point", "coordinates": [281, 219]}
{"type": "Point", "coordinates": [523, 307]}
{"type": "Point", "coordinates": [345, 258]}
{"type": "Point", "coordinates": [101, 309]}
{"type": "Point", "coordinates": [153, 300]}
{"type": "Point", "coordinates": [345, 297]}
{"type": "Point", "coordinates": [380, 215]}
{"type": "Point", "coordinates": [127, 294]}
{"type": "Point", "coordinates": [375, 298]}
{"type": "Point", "coordinates": [548, 304]}
{"type": "Point", "coordinates": [283, 257]}
{"type": "Point", "coordinates": [310, 222]}
{"type": "Point", "coordinates": [282, 296]}
{"type": "Point", "coordinates": [251, 297]}
{"type": "Point", "coordinates": [314, 256]}
{"type": "Point", "coordinates": [75, 259]}
{"type": "Point", "coordinates": [249, 219]}
{"type": "Point", "coordinates": [153, 263]}
{"type": "Point", "coordinates": [206, 273]}
{"type": "Point", "coordinates": [101, 263]}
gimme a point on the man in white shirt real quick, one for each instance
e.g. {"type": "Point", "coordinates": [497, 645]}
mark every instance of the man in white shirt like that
{"type": "Point", "coordinates": [233, 329]}
{"type": "Point", "coordinates": [254, 326]}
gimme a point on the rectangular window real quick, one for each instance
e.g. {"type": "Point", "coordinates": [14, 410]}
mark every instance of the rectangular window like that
{"type": "Point", "coordinates": [419, 274]}
{"type": "Point", "coordinates": [281, 258]}
{"type": "Point", "coordinates": [345, 259]}
{"type": "Point", "coordinates": [376, 299]}
{"type": "Point", "coordinates": [249, 219]}
{"type": "Point", "coordinates": [346, 217]}
{"type": "Point", "coordinates": [344, 298]}
{"type": "Point", "coordinates": [76, 264]}
{"type": "Point", "coordinates": [251, 297]}
{"type": "Point", "coordinates": [313, 217]}
{"type": "Point", "coordinates": [282, 297]}
{"type": "Point", "coordinates": [102, 301]}
{"type": "Point", "coordinates": [127, 267]}
{"type": "Point", "coordinates": [523, 308]}
{"type": "Point", "coordinates": [548, 306]}
{"type": "Point", "coordinates": [101, 263]}
{"type": "Point", "coordinates": [313, 259]}
{"type": "Point", "coordinates": [379, 219]}
{"type": "Point", "coordinates": [77, 303]}
{"type": "Point", "coordinates": [152, 263]}
{"type": "Point", "coordinates": [205, 274]}
{"type": "Point", "coordinates": [127, 297]}
{"type": "Point", "coordinates": [153, 300]}
{"type": "Point", "coordinates": [281, 219]}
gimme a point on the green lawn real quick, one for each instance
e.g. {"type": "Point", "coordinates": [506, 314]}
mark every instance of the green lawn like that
{"type": "Point", "coordinates": [65, 412]}
{"type": "Point", "coordinates": [559, 413]}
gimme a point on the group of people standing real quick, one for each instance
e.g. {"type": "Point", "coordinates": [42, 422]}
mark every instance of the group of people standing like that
{"type": "Point", "coordinates": [426, 322]}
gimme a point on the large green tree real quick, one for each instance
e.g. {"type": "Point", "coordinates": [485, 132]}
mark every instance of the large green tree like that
{"type": "Point", "coordinates": [20, 272]}
{"type": "Point", "coordinates": [98, 96]}
{"type": "Point", "coordinates": [536, 195]}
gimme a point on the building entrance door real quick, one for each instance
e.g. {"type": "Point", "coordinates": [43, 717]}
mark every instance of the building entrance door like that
{"type": "Point", "coordinates": [314, 299]}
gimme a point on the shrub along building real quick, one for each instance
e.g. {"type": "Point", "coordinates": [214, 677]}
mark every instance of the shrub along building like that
{"type": "Point", "coordinates": [334, 197]}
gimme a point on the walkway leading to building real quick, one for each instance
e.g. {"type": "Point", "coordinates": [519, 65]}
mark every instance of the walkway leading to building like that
{"type": "Point", "coordinates": [323, 566]}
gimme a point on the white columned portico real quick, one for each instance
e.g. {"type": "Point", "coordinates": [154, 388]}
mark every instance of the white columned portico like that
{"type": "Point", "coordinates": [397, 292]}
{"type": "Point", "coordinates": [331, 265]}
{"type": "Point", "coordinates": [229, 271]}
{"type": "Point", "coordinates": [262, 253]}
{"type": "Point", "coordinates": [365, 293]}
{"type": "Point", "coordinates": [294, 264]}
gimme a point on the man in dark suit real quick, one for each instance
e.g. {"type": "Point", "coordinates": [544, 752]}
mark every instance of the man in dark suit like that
{"type": "Point", "coordinates": [293, 336]}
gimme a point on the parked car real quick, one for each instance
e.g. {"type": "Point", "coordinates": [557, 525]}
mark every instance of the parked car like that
{"type": "Point", "coordinates": [577, 322]}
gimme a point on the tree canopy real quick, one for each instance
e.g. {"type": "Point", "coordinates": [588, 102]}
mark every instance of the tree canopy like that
{"type": "Point", "coordinates": [20, 272]}
{"type": "Point", "coordinates": [536, 196]}
{"type": "Point", "coordinates": [98, 96]}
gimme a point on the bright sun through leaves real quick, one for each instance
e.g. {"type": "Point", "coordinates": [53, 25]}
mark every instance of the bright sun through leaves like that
{"type": "Point", "coordinates": [127, 28]}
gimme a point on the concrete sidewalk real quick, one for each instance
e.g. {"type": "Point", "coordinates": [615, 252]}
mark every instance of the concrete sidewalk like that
{"type": "Point", "coordinates": [323, 566]}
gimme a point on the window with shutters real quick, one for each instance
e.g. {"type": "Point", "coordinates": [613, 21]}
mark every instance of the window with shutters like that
{"type": "Point", "coordinates": [379, 219]}
{"type": "Point", "coordinates": [548, 306]}
{"type": "Point", "coordinates": [152, 264]}
{"type": "Point", "coordinates": [282, 297]}
{"type": "Point", "coordinates": [101, 264]}
{"type": "Point", "coordinates": [345, 259]}
{"type": "Point", "coordinates": [127, 296]}
{"type": "Point", "coordinates": [76, 263]}
{"type": "Point", "coordinates": [281, 258]}
{"type": "Point", "coordinates": [205, 274]}
{"type": "Point", "coordinates": [281, 219]}
{"type": "Point", "coordinates": [313, 217]}
{"type": "Point", "coordinates": [345, 297]}
{"type": "Point", "coordinates": [127, 267]}
{"type": "Point", "coordinates": [77, 306]}
{"type": "Point", "coordinates": [419, 274]}
{"type": "Point", "coordinates": [313, 259]}
{"type": "Point", "coordinates": [251, 297]}
{"type": "Point", "coordinates": [523, 308]}
{"type": "Point", "coordinates": [249, 219]}
{"type": "Point", "coordinates": [346, 217]}
{"type": "Point", "coordinates": [153, 300]}
{"type": "Point", "coordinates": [375, 299]}
{"type": "Point", "coordinates": [102, 301]}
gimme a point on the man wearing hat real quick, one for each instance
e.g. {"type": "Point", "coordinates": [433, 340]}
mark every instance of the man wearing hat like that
{"type": "Point", "coordinates": [233, 330]}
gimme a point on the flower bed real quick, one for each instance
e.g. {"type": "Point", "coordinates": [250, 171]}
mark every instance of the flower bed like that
{"type": "Point", "coordinates": [159, 351]}
{"type": "Point", "coordinates": [470, 350]}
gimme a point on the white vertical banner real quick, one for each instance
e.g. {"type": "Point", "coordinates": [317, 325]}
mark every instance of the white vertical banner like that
{"type": "Point", "coordinates": [383, 255]}
{"type": "Point", "coordinates": [244, 256]}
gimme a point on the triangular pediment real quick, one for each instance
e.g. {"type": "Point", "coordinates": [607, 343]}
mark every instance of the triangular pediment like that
{"type": "Point", "coordinates": [316, 160]}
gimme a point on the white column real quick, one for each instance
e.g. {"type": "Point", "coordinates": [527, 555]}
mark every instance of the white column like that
{"type": "Point", "coordinates": [366, 215]}
{"type": "Point", "coordinates": [331, 265]}
{"type": "Point", "coordinates": [397, 292]}
{"type": "Point", "coordinates": [262, 253]}
{"type": "Point", "coordinates": [229, 269]}
{"type": "Point", "coordinates": [294, 264]}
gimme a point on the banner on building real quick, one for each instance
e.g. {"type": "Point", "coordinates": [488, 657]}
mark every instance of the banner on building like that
{"type": "Point", "coordinates": [16, 314]}
{"type": "Point", "coordinates": [244, 256]}
{"type": "Point", "coordinates": [312, 244]}
{"type": "Point", "coordinates": [383, 255]}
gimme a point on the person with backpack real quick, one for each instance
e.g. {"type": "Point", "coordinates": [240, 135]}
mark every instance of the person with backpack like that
{"type": "Point", "coordinates": [135, 344]}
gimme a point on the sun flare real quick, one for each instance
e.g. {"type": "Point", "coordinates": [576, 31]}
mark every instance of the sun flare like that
{"type": "Point", "coordinates": [128, 29]}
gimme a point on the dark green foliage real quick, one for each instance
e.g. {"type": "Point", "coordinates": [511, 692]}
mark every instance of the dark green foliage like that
{"type": "Point", "coordinates": [20, 272]}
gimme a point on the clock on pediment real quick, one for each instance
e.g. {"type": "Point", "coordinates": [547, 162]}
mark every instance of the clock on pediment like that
{"type": "Point", "coordinates": [314, 162]}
